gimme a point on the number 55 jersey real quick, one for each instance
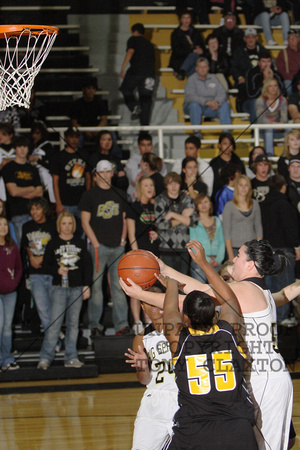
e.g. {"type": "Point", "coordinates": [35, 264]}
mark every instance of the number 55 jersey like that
{"type": "Point", "coordinates": [209, 370]}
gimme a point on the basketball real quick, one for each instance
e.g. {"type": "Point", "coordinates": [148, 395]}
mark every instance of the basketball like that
{"type": "Point", "coordinates": [140, 266]}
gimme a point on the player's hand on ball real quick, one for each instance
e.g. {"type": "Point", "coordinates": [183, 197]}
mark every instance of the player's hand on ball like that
{"type": "Point", "coordinates": [133, 290]}
{"type": "Point", "coordinates": [164, 281]}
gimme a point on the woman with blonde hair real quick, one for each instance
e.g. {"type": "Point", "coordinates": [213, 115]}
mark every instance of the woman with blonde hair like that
{"type": "Point", "coordinates": [142, 233]}
{"type": "Point", "coordinates": [66, 258]}
{"type": "Point", "coordinates": [241, 217]}
{"type": "Point", "coordinates": [291, 148]}
{"type": "Point", "coordinates": [271, 108]}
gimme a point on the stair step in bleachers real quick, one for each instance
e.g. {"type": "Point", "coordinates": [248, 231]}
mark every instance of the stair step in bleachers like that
{"type": "Point", "coordinates": [159, 9]}
{"type": "Point", "coordinates": [70, 70]}
{"type": "Point", "coordinates": [68, 61]}
{"type": "Point", "coordinates": [38, 16]}
{"type": "Point", "coordinates": [66, 93]}
{"type": "Point", "coordinates": [65, 120]}
{"type": "Point", "coordinates": [32, 8]}
{"type": "Point", "coordinates": [68, 26]}
{"type": "Point", "coordinates": [48, 82]}
{"type": "Point", "coordinates": [53, 50]}
{"type": "Point", "coordinates": [64, 39]}
{"type": "Point", "coordinates": [61, 118]}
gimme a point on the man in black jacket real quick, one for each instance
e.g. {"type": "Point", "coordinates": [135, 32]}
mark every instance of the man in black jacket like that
{"type": "Point", "coordinates": [293, 190]}
{"type": "Point", "coordinates": [245, 58]}
{"type": "Point", "coordinates": [230, 35]}
{"type": "Point", "coordinates": [281, 228]}
{"type": "Point", "coordinates": [255, 79]}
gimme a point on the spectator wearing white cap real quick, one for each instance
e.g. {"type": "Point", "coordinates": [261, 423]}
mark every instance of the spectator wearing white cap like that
{"type": "Point", "coordinates": [103, 220]}
{"type": "Point", "coordinates": [243, 59]}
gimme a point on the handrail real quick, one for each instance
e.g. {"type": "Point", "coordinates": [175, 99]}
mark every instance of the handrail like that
{"type": "Point", "coordinates": [161, 129]}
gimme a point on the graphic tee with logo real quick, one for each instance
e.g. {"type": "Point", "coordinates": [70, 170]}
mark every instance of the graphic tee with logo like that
{"type": "Point", "coordinates": [106, 207]}
{"type": "Point", "coordinates": [144, 217]}
{"type": "Point", "coordinates": [71, 169]}
{"type": "Point", "coordinates": [36, 237]}
{"type": "Point", "coordinates": [23, 175]}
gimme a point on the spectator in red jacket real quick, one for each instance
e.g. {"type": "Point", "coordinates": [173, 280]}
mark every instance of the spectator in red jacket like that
{"type": "Point", "coordinates": [288, 60]}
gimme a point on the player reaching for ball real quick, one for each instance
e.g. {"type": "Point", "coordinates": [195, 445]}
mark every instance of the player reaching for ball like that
{"type": "Point", "coordinates": [216, 411]}
{"type": "Point", "coordinates": [269, 380]}
{"type": "Point", "coordinates": [152, 359]}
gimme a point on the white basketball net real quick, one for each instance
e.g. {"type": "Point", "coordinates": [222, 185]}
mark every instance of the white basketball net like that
{"type": "Point", "coordinates": [20, 65]}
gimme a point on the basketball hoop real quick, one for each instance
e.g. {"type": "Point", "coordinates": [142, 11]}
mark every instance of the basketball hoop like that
{"type": "Point", "coordinates": [20, 65]}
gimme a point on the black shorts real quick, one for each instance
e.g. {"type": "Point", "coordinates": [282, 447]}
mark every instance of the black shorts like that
{"type": "Point", "coordinates": [231, 434]}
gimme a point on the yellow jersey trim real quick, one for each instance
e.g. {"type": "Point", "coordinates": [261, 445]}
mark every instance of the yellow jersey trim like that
{"type": "Point", "coordinates": [212, 330]}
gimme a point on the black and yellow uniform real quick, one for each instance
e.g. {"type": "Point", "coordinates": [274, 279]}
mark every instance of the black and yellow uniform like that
{"type": "Point", "coordinates": [215, 408]}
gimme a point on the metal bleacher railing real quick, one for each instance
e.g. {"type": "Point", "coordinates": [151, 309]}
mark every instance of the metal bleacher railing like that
{"type": "Point", "coordinates": [163, 130]}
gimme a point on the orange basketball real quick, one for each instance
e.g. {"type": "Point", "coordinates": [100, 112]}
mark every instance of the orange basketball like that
{"type": "Point", "coordinates": [140, 266]}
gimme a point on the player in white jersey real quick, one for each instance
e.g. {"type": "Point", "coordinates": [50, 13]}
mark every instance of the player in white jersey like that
{"type": "Point", "coordinates": [152, 359]}
{"type": "Point", "coordinates": [270, 382]}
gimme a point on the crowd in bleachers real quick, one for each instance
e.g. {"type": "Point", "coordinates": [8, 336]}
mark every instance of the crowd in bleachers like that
{"type": "Point", "coordinates": [56, 204]}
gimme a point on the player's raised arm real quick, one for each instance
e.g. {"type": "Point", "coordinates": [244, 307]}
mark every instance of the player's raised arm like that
{"type": "Point", "coordinates": [230, 310]}
{"type": "Point", "coordinates": [189, 283]}
{"type": "Point", "coordinates": [287, 294]}
{"type": "Point", "coordinates": [172, 318]}
{"type": "Point", "coordinates": [152, 298]}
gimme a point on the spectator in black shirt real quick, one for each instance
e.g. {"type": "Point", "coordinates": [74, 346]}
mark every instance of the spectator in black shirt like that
{"type": "Point", "coordinates": [140, 75]}
{"type": "Point", "coordinates": [66, 258]}
{"type": "Point", "coordinates": [255, 79]}
{"type": "Point", "coordinates": [281, 229]}
{"type": "Point", "coordinates": [41, 156]}
{"type": "Point", "coordinates": [226, 156]}
{"type": "Point", "coordinates": [22, 182]}
{"type": "Point", "coordinates": [293, 187]}
{"type": "Point", "coordinates": [7, 152]}
{"type": "Point", "coordinates": [103, 212]}
{"type": "Point", "coordinates": [71, 177]}
{"type": "Point", "coordinates": [151, 165]}
{"type": "Point", "coordinates": [291, 148]}
{"type": "Point", "coordinates": [105, 149]}
{"type": "Point", "coordinates": [218, 62]}
{"type": "Point", "coordinates": [89, 110]}
{"type": "Point", "coordinates": [142, 232]}
{"type": "Point", "coordinates": [260, 183]}
{"type": "Point", "coordinates": [230, 35]}
{"type": "Point", "coordinates": [294, 100]}
{"type": "Point", "coordinates": [243, 59]}
{"type": "Point", "coordinates": [191, 184]}
{"type": "Point", "coordinates": [35, 236]}
{"type": "Point", "coordinates": [187, 45]}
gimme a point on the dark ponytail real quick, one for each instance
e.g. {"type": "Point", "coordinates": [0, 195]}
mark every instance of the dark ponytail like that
{"type": "Point", "coordinates": [267, 262]}
{"type": "Point", "coordinates": [200, 309]}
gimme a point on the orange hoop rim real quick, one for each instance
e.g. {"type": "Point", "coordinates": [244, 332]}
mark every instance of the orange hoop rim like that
{"type": "Point", "coordinates": [12, 30]}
